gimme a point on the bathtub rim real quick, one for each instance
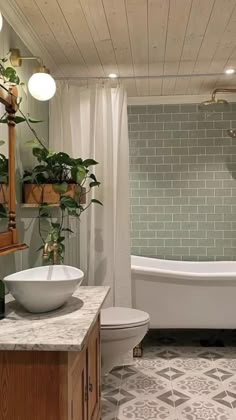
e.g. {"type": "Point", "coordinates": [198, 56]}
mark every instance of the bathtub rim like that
{"type": "Point", "coordinates": [183, 275]}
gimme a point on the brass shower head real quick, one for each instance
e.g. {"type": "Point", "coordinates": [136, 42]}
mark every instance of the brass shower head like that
{"type": "Point", "coordinates": [214, 101]}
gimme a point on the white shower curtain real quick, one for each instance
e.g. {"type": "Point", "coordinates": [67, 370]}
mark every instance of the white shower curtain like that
{"type": "Point", "coordinates": [92, 123]}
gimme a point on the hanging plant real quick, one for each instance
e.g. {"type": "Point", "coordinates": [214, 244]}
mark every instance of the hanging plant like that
{"type": "Point", "coordinates": [57, 178]}
{"type": "Point", "coordinates": [54, 177]}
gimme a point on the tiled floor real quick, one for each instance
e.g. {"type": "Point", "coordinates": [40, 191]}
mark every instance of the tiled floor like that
{"type": "Point", "coordinates": [174, 382]}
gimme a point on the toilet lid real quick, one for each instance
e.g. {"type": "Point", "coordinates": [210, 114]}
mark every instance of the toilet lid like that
{"type": "Point", "coordinates": [119, 317]}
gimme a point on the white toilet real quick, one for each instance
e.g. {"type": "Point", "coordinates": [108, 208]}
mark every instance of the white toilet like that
{"type": "Point", "coordinates": [121, 330]}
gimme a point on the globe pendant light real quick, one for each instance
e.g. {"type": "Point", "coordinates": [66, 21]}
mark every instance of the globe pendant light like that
{"type": "Point", "coordinates": [41, 84]}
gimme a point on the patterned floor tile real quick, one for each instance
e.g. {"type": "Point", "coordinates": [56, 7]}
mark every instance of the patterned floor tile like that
{"type": "Point", "coordinates": [169, 373]}
{"type": "Point", "coordinates": [117, 372]}
{"type": "Point", "coordinates": [118, 397]}
{"type": "Point", "coordinates": [186, 364]}
{"type": "Point", "coordinates": [210, 354]}
{"type": "Point", "coordinates": [173, 398]}
{"type": "Point", "coordinates": [203, 409]}
{"type": "Point", "coordinates": [173, 383]}
{"type": "Point", "coordinates": [228, 363]}
{"type": "Point", "coordinates": [149, 409]}
{"type": "Point", "coordinates": [196, 385]}
{"type": "Point", "coordinates": [110, 382]}
{"type": "Point", "coordinates": [219, 374]}
{"type": "Point", "coordinates": [109, 411]}
{"type": "Point", "coordinates": [228, 399]}
{"type": "Point", "coordinates": [146, 384]}
{"type": "Point", "coordinates": [148, 362]}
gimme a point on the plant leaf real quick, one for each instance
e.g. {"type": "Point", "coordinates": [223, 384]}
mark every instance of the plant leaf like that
{"type": "Point", "coordinates": [67, 230]}
{"type": "Point", "coordinates": [34, 121]}
{"type": "Point", "coordinates": [96, 201]}
{"type": "Point", "coordinates": [61, 188]}
{"type": "Point", "coordinates": [32, 143]}
{"type": "Point", "coordinates": [94, 184]}
{"type": "Point", "coordinates": [68, 202]}
{"type": "Point", "coordinates": [93, 177]}
{"type": "Point", "coordinates": [2, 142]}
{"type": "Point", "coordinates": [89, 162]}
{"type": "Point", "coordinates": [78, 173]}
{"type": "Point", "coordinates": [44, 205]}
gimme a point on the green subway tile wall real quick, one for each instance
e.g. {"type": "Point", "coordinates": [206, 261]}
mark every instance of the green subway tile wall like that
{"type": "Point", "coordinates": [183, 182]}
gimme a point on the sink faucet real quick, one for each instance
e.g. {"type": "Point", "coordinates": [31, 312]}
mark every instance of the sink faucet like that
{"type": "Point", "coordinates": [51, 247]}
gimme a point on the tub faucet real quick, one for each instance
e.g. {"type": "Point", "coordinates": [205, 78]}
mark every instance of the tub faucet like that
{"type": "Point", "coordinates": [51, 247]}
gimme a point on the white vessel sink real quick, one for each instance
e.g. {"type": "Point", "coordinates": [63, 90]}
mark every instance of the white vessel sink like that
{"type": "Point", "coordinates": [43, 289]}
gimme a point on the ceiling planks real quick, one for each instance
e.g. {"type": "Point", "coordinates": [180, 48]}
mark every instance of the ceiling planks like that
{"type": "Point", "coordinates": [220, 16]}
{"type": "Point", "coordinates": [138, 31]}
{"type": "Point", "coordinates": [40, 25]}
{"type": "Point", "coordinates": [97, 22]}
{"type": "Point", "coordinates": [197, 23]}
{"type": "Point", "coordinates": [176, 30]}
{"type": "Point", "coordinates": [76, 21]}
{"type": "Point", "coordinates": [158, 12]}
{"type": "Point", "coordinates": [92, 38]}
{"type": "Point", "coordinates": [56, 21]}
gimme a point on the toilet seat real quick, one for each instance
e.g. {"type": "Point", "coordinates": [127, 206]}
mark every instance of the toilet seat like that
{"type": "Point", "coordinates": [122, 318]}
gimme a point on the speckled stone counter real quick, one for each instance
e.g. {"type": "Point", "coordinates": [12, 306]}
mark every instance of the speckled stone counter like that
{"type": "Point", "coordinates": [65, 329]}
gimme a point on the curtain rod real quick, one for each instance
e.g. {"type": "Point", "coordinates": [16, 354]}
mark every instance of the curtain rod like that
{"type": "Point", "coordinates": [164, 76]}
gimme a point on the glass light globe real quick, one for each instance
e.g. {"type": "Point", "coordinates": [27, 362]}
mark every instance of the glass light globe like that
{"type": "Point", "coordinates": [1, 21]}
{"type": "Point", "coordinates": [42, 86]}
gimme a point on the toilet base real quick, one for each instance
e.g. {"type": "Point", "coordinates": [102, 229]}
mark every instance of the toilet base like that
{"type": "Point", "coordinates": [116, 343]}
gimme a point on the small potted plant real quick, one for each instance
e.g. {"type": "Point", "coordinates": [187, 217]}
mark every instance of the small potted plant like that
{"type": "Point", "coordinates": [56, 174]}
{"type": "Point", "coordinates": [62, 180]}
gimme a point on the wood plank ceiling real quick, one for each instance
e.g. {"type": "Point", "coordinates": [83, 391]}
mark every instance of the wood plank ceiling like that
{"type": "Point", "coordinates": [139, 37]}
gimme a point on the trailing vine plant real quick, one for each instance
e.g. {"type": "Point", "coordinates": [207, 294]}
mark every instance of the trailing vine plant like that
{"type": "Point", "coordinates": [57, 168]}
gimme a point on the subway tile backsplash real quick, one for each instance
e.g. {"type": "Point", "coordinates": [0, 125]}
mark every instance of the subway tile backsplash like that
{"type": "Point", "coordinates": [183, 182]}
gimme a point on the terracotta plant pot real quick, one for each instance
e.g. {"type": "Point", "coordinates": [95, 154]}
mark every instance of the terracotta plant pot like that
{"type": "Point", "coordinates": [4, 193]}
{"type": "Point", "coordinates": [47, 193]}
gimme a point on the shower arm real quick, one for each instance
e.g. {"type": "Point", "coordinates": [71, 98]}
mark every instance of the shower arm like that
{"type": "Point", "coordinates": [221, 90]}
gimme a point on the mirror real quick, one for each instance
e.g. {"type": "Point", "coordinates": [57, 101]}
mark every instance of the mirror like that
{"type": "Point", "coordinates": [8, 230]}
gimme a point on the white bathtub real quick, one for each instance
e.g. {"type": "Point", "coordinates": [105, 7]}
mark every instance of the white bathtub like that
{"type": "Point", "coordinates": [179, 294]}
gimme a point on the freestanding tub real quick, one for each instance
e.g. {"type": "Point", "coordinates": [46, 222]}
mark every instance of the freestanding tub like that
{"type": "Point", "coordinates": [179, 294]}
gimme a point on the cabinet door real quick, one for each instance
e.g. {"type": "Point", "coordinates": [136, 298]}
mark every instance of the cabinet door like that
{"type": "Point", "coordinates": [79, 389]}
{"type": "Point", "coordinates": [94, 364]}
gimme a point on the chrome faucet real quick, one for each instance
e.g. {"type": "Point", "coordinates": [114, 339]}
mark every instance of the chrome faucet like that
{"type": "Point", "coordinates": [51, 247]}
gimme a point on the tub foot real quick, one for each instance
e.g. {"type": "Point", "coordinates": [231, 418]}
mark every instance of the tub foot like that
{"type": "Point", "coordinates": [138, 350]}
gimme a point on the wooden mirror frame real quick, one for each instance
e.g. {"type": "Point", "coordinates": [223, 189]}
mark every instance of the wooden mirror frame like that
{"type": "Point", "coordinates": [9, 239]}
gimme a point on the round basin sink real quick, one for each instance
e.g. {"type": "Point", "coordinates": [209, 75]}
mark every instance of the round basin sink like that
{"type": "Point", "coordinates": [44, 289]}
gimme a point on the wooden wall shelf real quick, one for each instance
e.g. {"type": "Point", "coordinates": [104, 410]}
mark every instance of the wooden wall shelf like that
{"type": "Point", "coordinates": [13, 248]}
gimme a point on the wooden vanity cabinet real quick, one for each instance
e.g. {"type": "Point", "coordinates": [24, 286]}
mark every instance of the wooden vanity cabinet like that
{"type": "Point", "coordinates": [51, 385]}
{"type": "Point", "coordinates": [85, 376]}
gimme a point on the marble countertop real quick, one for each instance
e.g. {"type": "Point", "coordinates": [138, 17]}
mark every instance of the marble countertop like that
{"type": "Point", "coordinates": [65, 329]}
